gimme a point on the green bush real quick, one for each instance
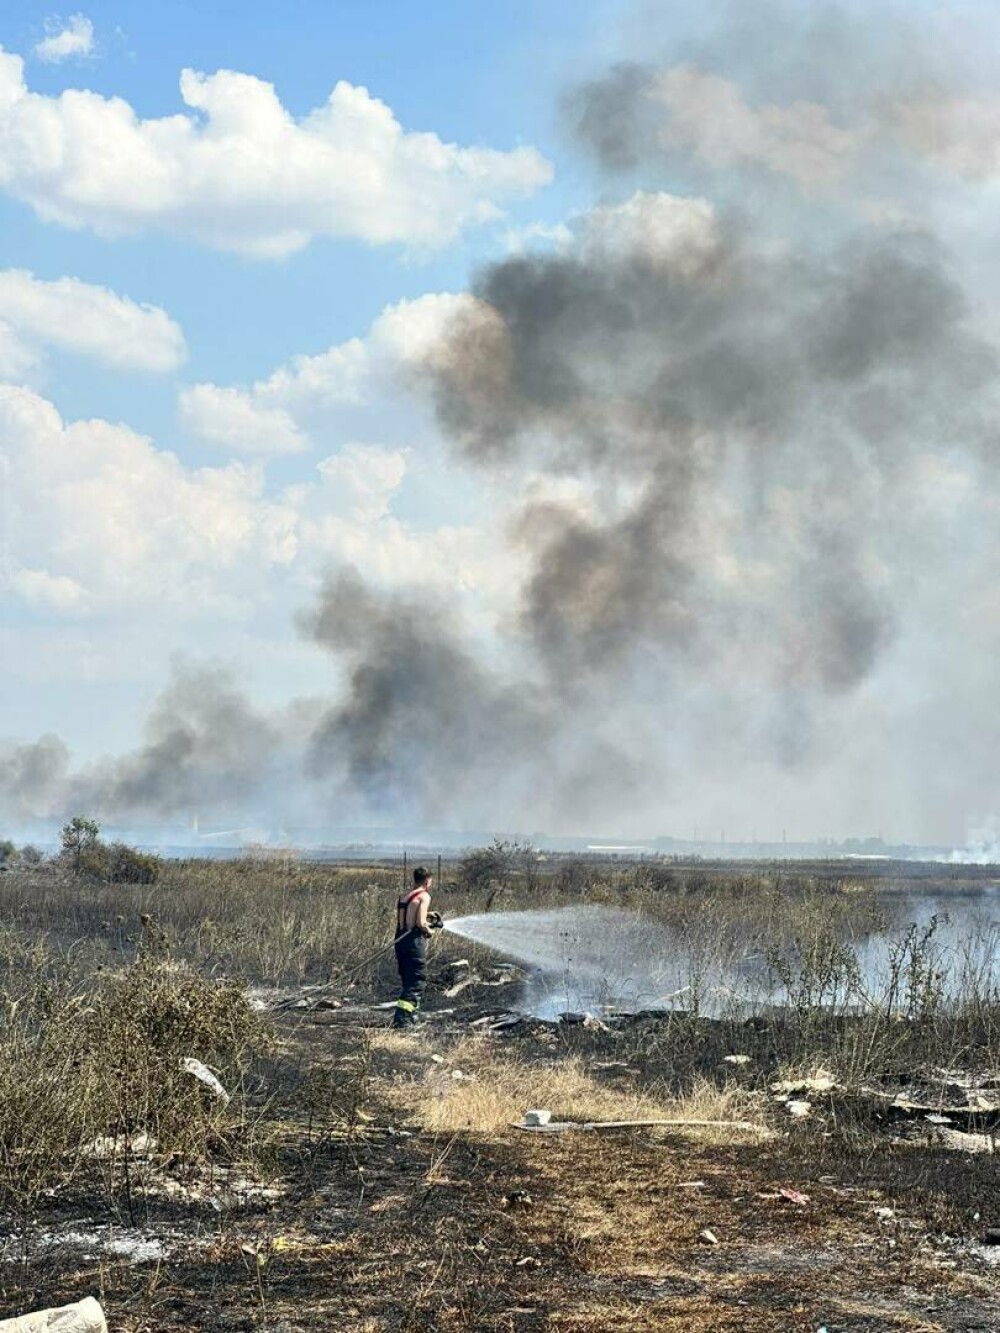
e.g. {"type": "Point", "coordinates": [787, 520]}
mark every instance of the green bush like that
{"type": "Point", "coordinates": [126, 865]}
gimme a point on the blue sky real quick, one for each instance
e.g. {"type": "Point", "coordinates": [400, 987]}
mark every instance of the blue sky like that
{"type": "Point", "coordinates": [474, 74]}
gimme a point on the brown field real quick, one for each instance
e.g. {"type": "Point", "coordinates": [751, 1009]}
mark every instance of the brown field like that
{"type": "Point", "coordinates": [365, 1181]}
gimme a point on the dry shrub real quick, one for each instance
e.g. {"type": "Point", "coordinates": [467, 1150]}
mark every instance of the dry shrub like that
{"type": "Point", "coordinates": [498, 1087]}
{"type": "Point", "coordinates": [78, 1065]}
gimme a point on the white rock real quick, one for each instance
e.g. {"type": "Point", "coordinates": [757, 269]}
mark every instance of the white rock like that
{"type": "Point", "coordinates": [537, 1116]}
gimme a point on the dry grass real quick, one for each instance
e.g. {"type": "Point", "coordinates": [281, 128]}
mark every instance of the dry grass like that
{"type": "Point", "coordinates": [484, 1088]}
{"type": "Point", "coordinates": [103, 1064]}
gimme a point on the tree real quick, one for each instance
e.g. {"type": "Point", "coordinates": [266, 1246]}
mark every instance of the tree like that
{"type": "Point", "coordinates": [79, 837]}
{"type": "Point", "coordinates": [7, 850]}
{"type": "Point", "coordinates": [495, 866]}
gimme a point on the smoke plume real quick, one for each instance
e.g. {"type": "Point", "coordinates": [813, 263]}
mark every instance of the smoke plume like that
{"type": "Point", "coordinates": [740, 424]}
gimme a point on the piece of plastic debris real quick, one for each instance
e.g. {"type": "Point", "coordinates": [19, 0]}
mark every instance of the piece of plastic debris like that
{"type": "Point", "coordinates": [537, 1116]}
{"type": "Point", "coordinates": [84, 1316]}
{"type": "Point", "coordinates": [885, 1213]}
{"type": "Point", "coordinates": [798, 1109]}
{"type": "Point", "coordinates": [708, 1236]}
{"type": "Point", "coordinates": [935, 1119]}
{"type": "Point", "coordinates": [204, 1075]}
{"type": "Point", "coordinates": [736, 1059]}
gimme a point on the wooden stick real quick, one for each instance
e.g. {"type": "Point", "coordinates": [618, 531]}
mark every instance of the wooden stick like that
{"type": "Point", "coordinates": [560, 1126]}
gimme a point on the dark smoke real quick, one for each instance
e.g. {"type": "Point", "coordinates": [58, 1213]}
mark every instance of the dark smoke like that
{"type": "Point", "coordinates": [423, 729]}
{"type": "Point", "coordinates": [206, 748]}
{"type": "Point", "coordinates": [30, 775]}
{"type": "Point", "coordinates": [613, 116]}
{"type": "Point", "coordinates": [820, 378]}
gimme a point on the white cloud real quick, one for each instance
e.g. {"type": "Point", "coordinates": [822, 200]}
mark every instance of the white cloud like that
{"type": "Point", "coordinates": [233, 419]}
{"type": "Point", "coordinates": [98, 521]}
{"type": "Point", "coordinates": [239, 172]}
{"type": "Point", "coordinates": [96, 517]}
{"type": "Point", "coordinates": [667, 231]}
{"type": "Point", "coordinates": [709, 117]}
{"type": "Point", "coordinates": [17, 359]}
{"type": "Point", "coordinates": [269, 416]}
{"type": "Point", "coordinates": [557, 236]}
{"type": "Point", "coordinates": [75, 38]}
{"type": "Point", "coordinates": [364, 478]}
{"type": "Point", "coordinates": [89, 320]}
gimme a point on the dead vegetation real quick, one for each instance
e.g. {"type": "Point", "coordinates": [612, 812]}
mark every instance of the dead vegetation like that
{"type": "Point", "coordinates": [355, 1179]}
{"type": "Point", "coordinates": [483, 1086]}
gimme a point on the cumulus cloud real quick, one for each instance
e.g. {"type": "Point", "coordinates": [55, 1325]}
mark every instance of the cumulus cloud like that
{"type": "Point", "coordinates": [97, 518]}
{"type": "Point", "coordinates": [272, 415]}
{"type": "Point", "coordinates": [237, 171]}
{"type": "Point", "coordinates": [72, 40]}
{"type": "Point", "coordinates": [239, 423]}
{"type": "Point", "coordinates": [88, 320]}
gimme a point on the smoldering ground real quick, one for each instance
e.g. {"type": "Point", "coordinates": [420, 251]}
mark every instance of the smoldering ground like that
{"type": "Point", "coordinates": [774, 418]}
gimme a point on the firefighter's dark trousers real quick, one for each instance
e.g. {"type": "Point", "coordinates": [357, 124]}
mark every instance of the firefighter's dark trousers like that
{"type": "Point", "coordinates": [411, 959]}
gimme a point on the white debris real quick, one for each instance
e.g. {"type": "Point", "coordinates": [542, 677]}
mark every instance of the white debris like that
{"type": "Point", "coordinates": [110, 1146]}
{"type": "Point", "coordinates": [799, 1109]}
{"type": "Point", "coordinates": [137, 1251]}
{"type": "Point", "coordinates": [736, 1059]}
{"type": "Point", "coordinates": [204, 1075]}
{"type": "Point", "coordinates": [537, 1116]}
{"type": "Point", "coordinates": [821, 1081]}
{"type": "Point", "coordinates": [84, 1316]}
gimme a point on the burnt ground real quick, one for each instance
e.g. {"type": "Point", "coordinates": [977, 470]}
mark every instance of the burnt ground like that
{"type": "Point", "coordinates": [384, 1227]}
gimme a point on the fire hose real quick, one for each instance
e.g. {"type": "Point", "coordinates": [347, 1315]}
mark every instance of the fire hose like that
{"type": "Point", "coordinates": [434, 922]}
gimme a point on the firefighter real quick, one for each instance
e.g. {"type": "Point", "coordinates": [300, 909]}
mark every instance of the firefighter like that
{"type": "Point", "coordinates": [414, 923]}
